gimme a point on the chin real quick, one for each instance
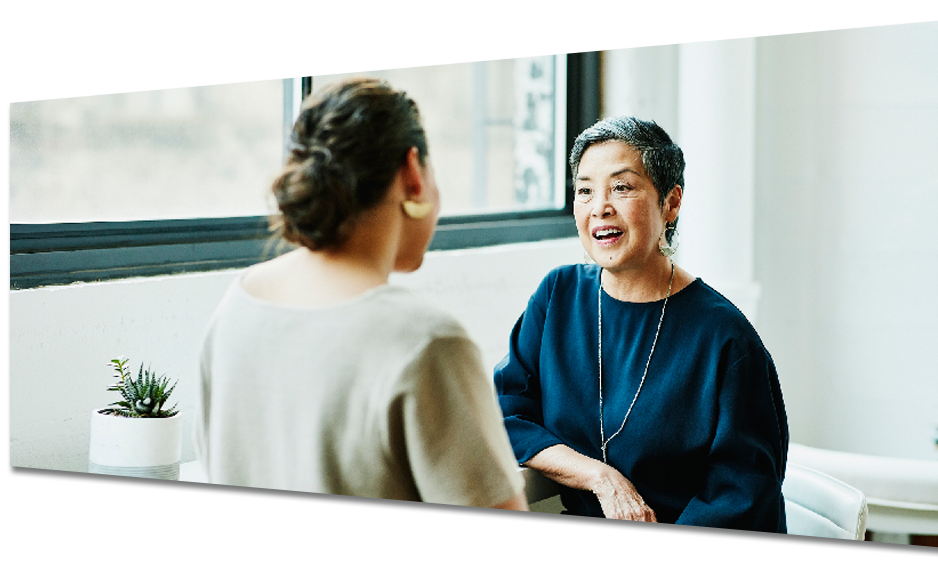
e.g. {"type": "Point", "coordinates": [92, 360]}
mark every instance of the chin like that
{"type": "Point", "coordinates": [608, 260]}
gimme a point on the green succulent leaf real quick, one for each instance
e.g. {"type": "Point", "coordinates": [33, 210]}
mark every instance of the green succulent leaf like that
{"type": "Point", "coordinates": [143, 397]}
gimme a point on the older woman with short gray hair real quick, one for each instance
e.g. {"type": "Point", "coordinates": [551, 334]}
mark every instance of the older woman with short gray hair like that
{"type": "Point", "coordinates": [643, 391]}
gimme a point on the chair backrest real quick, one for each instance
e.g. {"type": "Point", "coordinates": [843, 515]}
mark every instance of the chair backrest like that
{"type": "Point", "coordinates": [819, 505]}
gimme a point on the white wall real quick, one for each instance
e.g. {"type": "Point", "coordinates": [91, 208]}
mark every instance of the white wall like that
{"type": "Point", "coordinates": [839, 241]}
{"type": "Point", "coordinates": [847, 138]}
{"type": "Point", "coordinates": [643, 82]}
{"type": "Point", "coordinates": [61, 338]}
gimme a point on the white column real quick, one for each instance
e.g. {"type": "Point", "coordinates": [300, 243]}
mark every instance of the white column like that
{"type": "Point", "coordinates": [716, 130]}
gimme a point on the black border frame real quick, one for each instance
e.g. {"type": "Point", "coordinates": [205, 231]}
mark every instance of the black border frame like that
{"type": "Point", "coordinates": [63, 253]}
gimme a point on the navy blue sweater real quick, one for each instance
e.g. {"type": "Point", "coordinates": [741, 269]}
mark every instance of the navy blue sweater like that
{"type": "Point", "coordinates": [707, 440]}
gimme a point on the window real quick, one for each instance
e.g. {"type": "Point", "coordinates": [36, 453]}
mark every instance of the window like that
{"type": "Point", "coordinates": [176, 180]}
{"type": "Point", "coordinates": [492, 130]}
{"type": "Point", "coordinates": [166, 154]}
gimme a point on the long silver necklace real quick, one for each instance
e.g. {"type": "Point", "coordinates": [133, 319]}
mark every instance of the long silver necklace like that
{"type": "Point", "coordinates": [602, 430]}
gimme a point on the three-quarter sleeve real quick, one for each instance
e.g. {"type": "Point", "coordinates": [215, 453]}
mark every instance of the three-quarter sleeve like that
{"type": "Point", "coordinates": [746, 463]}
{"type": "Point", "coordinates": [450, 434]}
{"type": "Point", "coordinates": [517, 380]}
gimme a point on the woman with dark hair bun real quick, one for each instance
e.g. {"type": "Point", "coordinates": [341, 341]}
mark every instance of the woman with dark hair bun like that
{"type": "Point", "coordinates": [318, 376]}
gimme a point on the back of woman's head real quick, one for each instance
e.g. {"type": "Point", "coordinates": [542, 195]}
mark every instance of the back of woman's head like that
{"type": "Point", "coordinates": [348, 143]}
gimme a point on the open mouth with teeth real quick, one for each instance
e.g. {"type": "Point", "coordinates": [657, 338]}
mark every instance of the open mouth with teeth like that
{"type": "Point", "coordinates": [606, 235]}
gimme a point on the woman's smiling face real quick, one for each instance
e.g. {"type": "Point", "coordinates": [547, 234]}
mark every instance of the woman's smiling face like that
{"type": "Point", "coordinates": [616, 207]}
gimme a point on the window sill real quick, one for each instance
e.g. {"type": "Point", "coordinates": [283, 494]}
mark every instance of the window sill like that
{"type": "Point", "coordinates": [100, 252]}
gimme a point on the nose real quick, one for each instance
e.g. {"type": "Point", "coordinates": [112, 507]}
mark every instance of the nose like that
{"type": "Point", "coordinates": [602, 205]}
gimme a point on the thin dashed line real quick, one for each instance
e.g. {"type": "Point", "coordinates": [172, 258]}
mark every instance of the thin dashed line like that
{"type": "Point", "coordinates": [687, 42]}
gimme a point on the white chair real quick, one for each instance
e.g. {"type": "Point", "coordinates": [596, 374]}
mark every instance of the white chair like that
{"type": "Point", "coordinates": [819, 505]}
{"type": "Point", "coordinates": [902, 494]}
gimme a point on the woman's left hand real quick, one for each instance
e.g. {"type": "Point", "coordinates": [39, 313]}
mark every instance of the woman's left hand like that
{"type": "Point", "coordinates": [618, 497]}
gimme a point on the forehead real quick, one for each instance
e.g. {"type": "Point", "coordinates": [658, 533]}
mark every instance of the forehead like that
{"type": "Point", "coordinates": [610, 158]}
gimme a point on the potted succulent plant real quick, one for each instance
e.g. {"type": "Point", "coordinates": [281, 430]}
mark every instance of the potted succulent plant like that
{"type": "Point", "coordinates": [137, 435]}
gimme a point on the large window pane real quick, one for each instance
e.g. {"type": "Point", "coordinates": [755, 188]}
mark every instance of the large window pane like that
{"type": "Point", "coordinates": [211, 151]}
{"type": "Point", "coordinates": [182, 153]}
{"type": "Point", "coordinates": [495, 130]}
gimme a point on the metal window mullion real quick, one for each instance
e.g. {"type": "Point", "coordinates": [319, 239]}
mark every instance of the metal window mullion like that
{"type": "Point", "coordinates": [307, 58]}
{"type": "Point", "coordinates": [583, 89]}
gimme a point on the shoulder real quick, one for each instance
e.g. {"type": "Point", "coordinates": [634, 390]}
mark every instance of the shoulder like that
{"type": "Point", "coordinates": [424, 343]}
{"type": "Point", "coordinates": [400, 309]}
{"type": "Point", "coordinates": [569, 278]}
{"type": "Point", "coordinates": [561, 284]}
{"type": "Point", "coordinates": [406, 341]}
{"type": "Point", "coordinates": [231, 315]}
{"type": "Point", "coordinates": [573, 274]}
{"type": "Point", "coordinates": [233, 298]}
{"type": "Point", "coordinates": [710, 310]}
{"type": "Point", "coordinates": [706, 296]}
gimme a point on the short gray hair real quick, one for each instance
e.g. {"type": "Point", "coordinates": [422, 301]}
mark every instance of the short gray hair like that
{"type": "Point", "coordinates": [663, 160]}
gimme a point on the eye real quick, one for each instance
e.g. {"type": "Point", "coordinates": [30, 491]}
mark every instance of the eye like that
{"type": "Point", "coordinates": [622, 187]}
{"type": "Point", "coordinates": [583, 193]}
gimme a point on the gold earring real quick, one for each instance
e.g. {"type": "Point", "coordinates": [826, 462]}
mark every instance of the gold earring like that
{"type": "Point", "coordinates": [417, 210]}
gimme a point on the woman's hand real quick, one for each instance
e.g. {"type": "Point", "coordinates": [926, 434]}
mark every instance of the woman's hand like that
{"type": "Point", "coordinates": [619, 498]}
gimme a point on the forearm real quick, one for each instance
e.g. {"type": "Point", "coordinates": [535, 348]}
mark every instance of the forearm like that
{"type": "Point", "coordinates": [565, 466]}
{"type": "Point", "coordinates": [617, 496]}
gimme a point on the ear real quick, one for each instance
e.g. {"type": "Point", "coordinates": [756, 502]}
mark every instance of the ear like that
{"type": "Point", "coordinates": [412, 173]}
{"type": "Point", "coordinates": [672, 203]}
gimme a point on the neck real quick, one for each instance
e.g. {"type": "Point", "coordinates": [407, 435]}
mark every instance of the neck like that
{"type": "Point", "coordinates": [354, 271]}
{"type": "Point", "coordinates": [368, 255]}
{"type": "Point", "coordinates": [316, 278]}
{"type": "Point", "coordinates": [647, 284]}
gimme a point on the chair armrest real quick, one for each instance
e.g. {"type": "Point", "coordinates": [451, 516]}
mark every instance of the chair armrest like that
{"type": "Point", "coordinates": [538, 487]}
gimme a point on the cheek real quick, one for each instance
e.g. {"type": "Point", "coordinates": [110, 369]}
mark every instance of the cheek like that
{"type": "Point", "coordinates": [580, 216]}
{"type": "Point", "coordinates": [641, 216]}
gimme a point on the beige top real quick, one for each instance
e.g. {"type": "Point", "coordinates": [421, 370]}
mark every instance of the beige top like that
{"type": "Point", "coordinates": [380, 396]}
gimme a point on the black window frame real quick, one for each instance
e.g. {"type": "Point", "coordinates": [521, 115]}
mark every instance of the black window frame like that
{"type": "Point", "coordinates": [64, 253]}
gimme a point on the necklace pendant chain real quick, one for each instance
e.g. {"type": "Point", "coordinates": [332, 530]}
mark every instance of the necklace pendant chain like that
{"type": "Point", "coordinates": [602, 429]}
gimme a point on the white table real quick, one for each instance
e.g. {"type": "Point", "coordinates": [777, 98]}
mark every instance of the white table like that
{"type": "Point", "coordinates": [76, 518]}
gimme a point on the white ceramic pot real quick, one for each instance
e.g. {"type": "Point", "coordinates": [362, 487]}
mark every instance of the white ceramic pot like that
{"type": "Point", "coordinates": [139, 447]}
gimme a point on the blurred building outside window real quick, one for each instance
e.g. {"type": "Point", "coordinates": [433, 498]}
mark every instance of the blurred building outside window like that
{"type": "Point", "coordinates": [495, 131]}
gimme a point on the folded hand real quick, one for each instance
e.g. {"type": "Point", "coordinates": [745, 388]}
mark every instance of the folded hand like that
{"type": "Point", "coordinates": [619, 499]}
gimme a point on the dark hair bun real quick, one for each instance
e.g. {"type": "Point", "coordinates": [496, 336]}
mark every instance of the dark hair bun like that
{"type": "Point", "coordinates": [349, 141]}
